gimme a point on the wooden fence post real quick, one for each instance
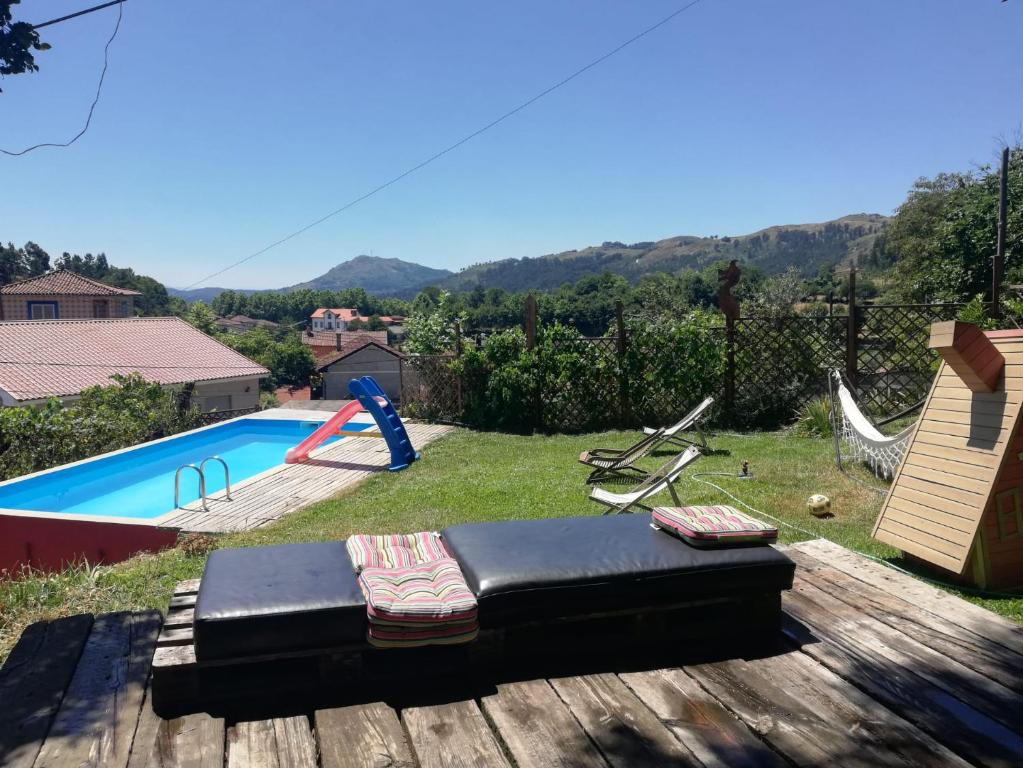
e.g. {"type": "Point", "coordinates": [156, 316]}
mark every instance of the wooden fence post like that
{"type": "Point", "coordinates": [730, 367]}
{"type": "Point", "coordinates": [852, 331]}
{"type": "Point", "coordinates": [623, 381]}
{"type": "Point", "coordinates": [458, 379]}
{"type": "Point", "coordinates": [530, 321]}
{"type": "Point", "coordinates": [998, 267]}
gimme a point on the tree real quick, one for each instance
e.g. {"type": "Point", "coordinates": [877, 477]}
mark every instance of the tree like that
{"type": "Point", "coordinates": [943, 236]}
{"type": "Point", "coordinates": [20, 263]}
{"type": "Point", "coordinates": [202, 317]}
{"type": "Point", "coordinates": [18, 39]}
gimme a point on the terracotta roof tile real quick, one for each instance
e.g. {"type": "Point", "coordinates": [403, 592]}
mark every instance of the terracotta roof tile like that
{"type": "Point", "coordinates": [63, 357]}
{"type": "Point", "coordinates": [355, 346]}
{"type": "Point", "coordinates": [64, 283]}
{"type": "Point", "coordinates": [341, 312]}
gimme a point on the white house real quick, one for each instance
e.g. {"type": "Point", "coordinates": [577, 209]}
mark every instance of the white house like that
{"type": "Point", "coordinates": [333, 319]}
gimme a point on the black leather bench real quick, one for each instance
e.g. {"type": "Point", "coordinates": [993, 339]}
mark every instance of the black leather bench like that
{"type": "Point", "coordinates": [525, 571]}
{"type": "Point", "coordinates": [297, 597]}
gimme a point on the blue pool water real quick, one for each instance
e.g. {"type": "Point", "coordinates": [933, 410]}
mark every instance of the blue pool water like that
{"type": "Point", "coordinates": [140, 482]}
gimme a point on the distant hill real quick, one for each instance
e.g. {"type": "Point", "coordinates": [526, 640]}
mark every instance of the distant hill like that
{"type": "Point", "coordinates": [376, 275]}
{"type": "Point", "coordinates": [806, 246]}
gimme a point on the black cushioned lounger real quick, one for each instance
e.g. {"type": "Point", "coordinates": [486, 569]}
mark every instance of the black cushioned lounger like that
{"type": "Point", "coordinates": [300, 597]}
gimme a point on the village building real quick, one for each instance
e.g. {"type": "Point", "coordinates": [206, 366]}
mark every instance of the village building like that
{"type": "Point", "coordinates": [64, 295]}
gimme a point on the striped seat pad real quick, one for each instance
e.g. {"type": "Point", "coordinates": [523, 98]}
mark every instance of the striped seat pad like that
{"type": "Point", "coordinates": [710, 525]}
{"type": "Point", "coordinates": [401, 550]}
{"type": "Point", "coordinates": [420, 595]}
{"type": "Point", "coordinates": [382, 637]}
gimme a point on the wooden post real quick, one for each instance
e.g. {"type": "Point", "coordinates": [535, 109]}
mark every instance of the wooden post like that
{"type": "Point", "coordinates": [852, 331]}
{"type": "Point", "coordinates": [458, 338]}
{"type": "Point", "coordinates": [998, 267]}
{"type": "Point", "coordinates": [729, 366]}
{"type": "Point", "coordinates": [530, 321]}
{"type": "Point", "coordinates": [623, 384]}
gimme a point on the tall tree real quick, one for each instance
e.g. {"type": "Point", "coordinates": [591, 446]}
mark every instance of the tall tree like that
{"type": "Point", "coordinates": [18, 39]}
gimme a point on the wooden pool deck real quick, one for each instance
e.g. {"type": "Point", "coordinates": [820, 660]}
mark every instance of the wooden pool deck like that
{"type": "Point", "coordinates": [873, 668]}
{"type": "Point", "coordinates": [272, 495]}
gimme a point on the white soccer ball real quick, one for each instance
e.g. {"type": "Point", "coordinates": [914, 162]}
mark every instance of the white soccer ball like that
{"type": "Point", "coordinates": [818, 504]}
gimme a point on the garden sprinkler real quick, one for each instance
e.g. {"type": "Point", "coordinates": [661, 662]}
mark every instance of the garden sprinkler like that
{"type": "Point", "coordinates": [745, 473]}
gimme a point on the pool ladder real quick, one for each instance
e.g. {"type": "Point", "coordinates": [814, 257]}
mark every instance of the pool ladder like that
{"type": "Point", "coordinates": [201, 470]}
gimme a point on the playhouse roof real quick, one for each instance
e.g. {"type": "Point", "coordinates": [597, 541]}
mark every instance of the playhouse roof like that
{"type": "Point", "coordinates": [965, 444]}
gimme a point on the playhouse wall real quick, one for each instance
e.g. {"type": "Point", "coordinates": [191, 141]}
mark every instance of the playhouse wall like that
{"type": "Point", "coordinates": [49, 543]}
{"type": "Point", "coordinates": [1002, 544]}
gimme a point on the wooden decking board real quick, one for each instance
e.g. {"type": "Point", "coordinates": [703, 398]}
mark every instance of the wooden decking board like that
{"type": "Point", "coordinates": [32, 684]}
{"type": "Point", "coordinates": [195, 741]}
{"type": "Point", "coordinates": [853, 654]}
{"type": "Point", "coordinates": [266, 499]}
{"type": "Point", "coordinates": [950, 638]}
{"type": "Point", "coordinates": [278, 743]}
{"type": "Point", "coordinates": [878, 669]}
{"type": "Point", "coordinates": [361, 735]}
{"type": "Point", "coordinates": [624, 729]}
{"type": "Point", "coordinates": [699, 721]}
{"type": "Point", "coordinates": [945, 605]}
{"type": "Point", "coordinates": [538, 729]}
{"type": "Point", "coordinates": [100, 709]}
{"type": "Point", "coordinates": [844, 622]}
{"type": "Point", "coordinates": [454, 735]}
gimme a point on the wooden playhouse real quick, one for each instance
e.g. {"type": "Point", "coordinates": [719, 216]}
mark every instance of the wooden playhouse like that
{"type": "Point", "coordinates": [956, 499]}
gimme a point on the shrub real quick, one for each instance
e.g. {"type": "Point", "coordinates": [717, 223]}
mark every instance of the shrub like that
{"type": "Point", "coordinates": [814, 418]}
{"type": "Point", "coordinates": [128, 412]}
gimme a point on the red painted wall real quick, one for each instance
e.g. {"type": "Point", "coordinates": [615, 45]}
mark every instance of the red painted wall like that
{"type": "Point", "coordinates": [49, 543]}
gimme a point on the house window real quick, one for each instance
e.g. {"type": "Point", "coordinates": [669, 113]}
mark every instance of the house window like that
{"type": "Point", "coordinates": [125, 308]}
{"type": "Point", "coordinates": [100, 308]}
{"type": "Point", "coordinates": [42, 310]}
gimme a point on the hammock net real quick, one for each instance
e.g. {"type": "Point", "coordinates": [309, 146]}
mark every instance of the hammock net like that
{"type": "Point", "coordinates": [883, 454]}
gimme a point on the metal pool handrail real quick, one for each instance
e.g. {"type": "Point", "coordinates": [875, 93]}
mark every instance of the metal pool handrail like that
{"type": "Point", "coordinates": [177, 485]}
{"type": "Point", "coordinates": [227, 473]}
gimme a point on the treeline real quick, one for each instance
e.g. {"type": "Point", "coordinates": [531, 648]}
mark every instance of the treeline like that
{"type": "Point", "coordinates": [32, 261]}
{"type": "Point", "coordinates": [296, 306]}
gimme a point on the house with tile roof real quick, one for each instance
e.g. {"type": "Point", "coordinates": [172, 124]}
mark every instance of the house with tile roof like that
{"type": "Point", "coordinates": [60, 358]}
{"type": "Point", "coordinates": [333, 318]}
{"type": "Point", "coordinates": [361, 358]}
{"type": "Point", "coordinates": [323, 343]}
{"type": "Point", "coordinates": [64, 295]}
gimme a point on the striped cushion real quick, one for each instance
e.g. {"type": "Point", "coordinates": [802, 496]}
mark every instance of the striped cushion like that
{"type": "Point", "coordinates": [713, 526]}
{"type": "Point", "coordinates": [395, 551]}
{"type": "Point", "coordinates": [425, 604]}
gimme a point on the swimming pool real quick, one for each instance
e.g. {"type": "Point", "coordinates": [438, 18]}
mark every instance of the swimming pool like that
{"type": "Point", "coordinates": [139, 482]}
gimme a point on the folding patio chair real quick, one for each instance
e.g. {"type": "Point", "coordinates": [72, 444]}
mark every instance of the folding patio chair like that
{"type": "Point", "coordinates": [691, 420]}
{"type": "Point", "coordinates": [619, 462]}
{"type": "Point", "coordinates": [659, 480]}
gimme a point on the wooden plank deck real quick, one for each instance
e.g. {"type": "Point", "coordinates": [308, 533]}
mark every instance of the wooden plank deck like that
{"type": "Point", "coordinates": [293, 486]}
{"type": "Point", "coordinates": [873, 668]}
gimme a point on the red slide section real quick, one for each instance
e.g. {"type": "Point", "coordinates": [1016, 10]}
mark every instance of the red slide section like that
{"type": "Point", "coordinates": [330, 427]}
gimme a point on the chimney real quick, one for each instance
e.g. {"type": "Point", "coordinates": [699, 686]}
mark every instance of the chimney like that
{"type": "Point", "coordinates": [968, 352]}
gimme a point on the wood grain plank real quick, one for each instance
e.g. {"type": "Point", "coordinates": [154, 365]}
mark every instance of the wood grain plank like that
{"type": "Point", "coordinates": [278, 743]}
{"type": "Point", "coordinates": [96, 722]}
{"type": "Point", "coordinates": [948, 473]}
{"type": "Point", "coordinates": [625, 730]}
{"type": "Point", "coordinates": [924, 596]}
{"type": "Point", "coordinates": [363, 736]}
{"type": "Point", "coordinates": [538, 729]}
{"type": "Point", "coordinates": [452, 735]}
{"type": "Point", "coordinates": [841, 622]}
{"type": "Point", "coordinates": [699, 721]}
{"type": "Point", "coordinates": [947, 637]}
{"type": "Point", "coordinates": [32, 684]}
{"type": "Point", "coordinates": [195, 741]}
{"type": "Point", "coordinates": [813, 717]}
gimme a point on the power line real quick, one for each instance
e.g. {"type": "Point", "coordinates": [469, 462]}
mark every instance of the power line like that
{"type": "Point", "coordinates": [99, 85]}
{"type": "Point", "coordinates": [79, 13]}
{"type": "Point", "coordinates": [451, 147]}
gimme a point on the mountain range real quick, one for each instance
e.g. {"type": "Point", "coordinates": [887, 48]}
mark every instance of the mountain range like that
{"type": "Point", "coordinates": [805, 246]}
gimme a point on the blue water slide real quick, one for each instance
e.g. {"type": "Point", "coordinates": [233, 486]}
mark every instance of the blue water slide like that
{"type": "Point", "coordinates": [373, 399]}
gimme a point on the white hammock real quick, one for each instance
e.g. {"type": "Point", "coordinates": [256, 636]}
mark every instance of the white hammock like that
{"type": "Point", "coordinates": [866, 443]}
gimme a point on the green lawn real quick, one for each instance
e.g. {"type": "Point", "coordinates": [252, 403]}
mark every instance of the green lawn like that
{"type": "Point", "coordinates": [471, 476]}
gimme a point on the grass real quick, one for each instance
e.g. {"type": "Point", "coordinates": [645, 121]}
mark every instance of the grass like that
{"type": "Point", "coordinates": [470, 476]}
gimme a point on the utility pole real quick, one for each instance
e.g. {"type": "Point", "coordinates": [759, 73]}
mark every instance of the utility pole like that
{"type": "Point", "coordinates": [998, 267]}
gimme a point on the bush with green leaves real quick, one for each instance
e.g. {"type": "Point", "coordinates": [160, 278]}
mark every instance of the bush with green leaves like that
{"type": "Point", "coordinates": [129, 411]}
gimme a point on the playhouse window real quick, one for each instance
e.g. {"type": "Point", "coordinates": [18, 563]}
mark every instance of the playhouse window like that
{"type": "Point", "coordinates": [1010, 514]}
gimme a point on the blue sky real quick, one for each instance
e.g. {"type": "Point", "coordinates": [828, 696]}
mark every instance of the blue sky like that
{"type": "Point", "coordinates": [226, 125]}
